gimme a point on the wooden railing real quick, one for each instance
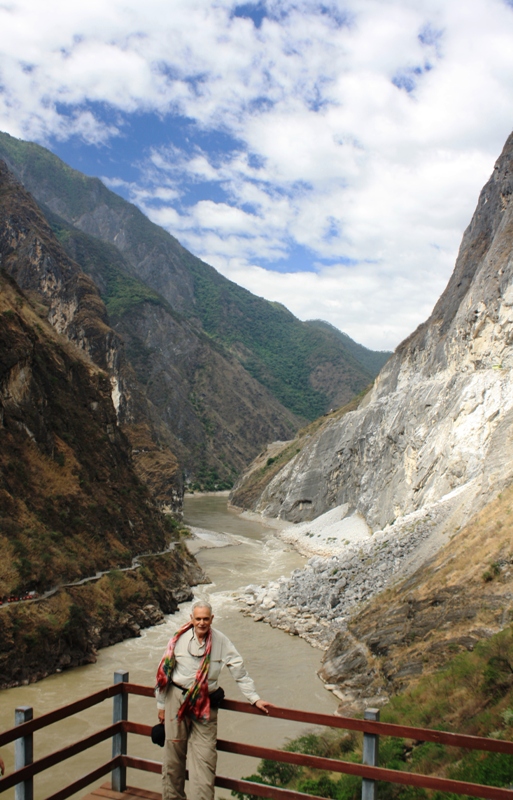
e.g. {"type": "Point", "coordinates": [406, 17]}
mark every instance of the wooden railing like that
{"type": "Point", "coordinates": [26, 769]}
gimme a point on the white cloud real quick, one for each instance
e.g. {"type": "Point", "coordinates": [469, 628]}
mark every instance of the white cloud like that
{"type": "Point", "coordinates": [365, 130]}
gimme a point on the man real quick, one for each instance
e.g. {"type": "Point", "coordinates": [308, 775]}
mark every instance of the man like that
{"type": "Point", "coordinates": [186, 679]}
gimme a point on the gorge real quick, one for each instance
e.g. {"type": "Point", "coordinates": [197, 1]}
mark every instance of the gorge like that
{"type": "Point", "coordinates": [386, 491]}
{"type": "Point", "coordinates": [118, 388]}
{"type": "Point", "coordinates": [210, 372]}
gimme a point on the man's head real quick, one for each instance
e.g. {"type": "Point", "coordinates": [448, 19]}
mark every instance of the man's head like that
{"type": "Point", "coordinates": [201, 618]}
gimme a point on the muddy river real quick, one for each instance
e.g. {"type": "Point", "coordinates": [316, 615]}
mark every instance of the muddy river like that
{"type": "Point", "coordinates": [282, 666]}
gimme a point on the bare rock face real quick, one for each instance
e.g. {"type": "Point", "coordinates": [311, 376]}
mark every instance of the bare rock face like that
{"type": "Point", "coordinates": [70, 301]}
{"type": "Point", "coordinates": [426, 460]}
{"type": "Point", "coordinates": [440, 416]}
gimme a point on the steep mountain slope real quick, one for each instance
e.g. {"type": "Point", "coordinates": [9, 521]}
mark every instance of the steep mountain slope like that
{"type": "Point", "coordinates": [70, 505]}
{"type": "Point", "coordinates": [71, 502]}
{"type": "Point", "coordinates": [71, 302]}
{"type": "Point", "coordinates": [156, 291]}
{"type": "Point", "coordinates": [461, 596]}
{"type": "Point", "coordinates": [435, 431]}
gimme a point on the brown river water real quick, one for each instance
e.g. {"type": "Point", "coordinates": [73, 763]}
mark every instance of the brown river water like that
{"type": "Point", "coordinates": [283, 667]}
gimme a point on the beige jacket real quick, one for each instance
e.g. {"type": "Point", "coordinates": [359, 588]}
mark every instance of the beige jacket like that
{"type": "Point", "coordinates": [223, 654]}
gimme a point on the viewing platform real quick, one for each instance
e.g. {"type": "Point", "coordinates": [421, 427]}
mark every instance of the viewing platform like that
{"type": "Point", "coordinates": [106, 792]}
{"type": "Point", "coordinates": [27, 769]}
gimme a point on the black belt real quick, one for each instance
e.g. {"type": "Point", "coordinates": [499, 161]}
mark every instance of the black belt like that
{"type": "Point", "coordinates": [184, 690]}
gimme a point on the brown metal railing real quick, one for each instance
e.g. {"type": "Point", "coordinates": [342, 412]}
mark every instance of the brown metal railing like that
{"type": "Point", "coordinates": [26, 769]}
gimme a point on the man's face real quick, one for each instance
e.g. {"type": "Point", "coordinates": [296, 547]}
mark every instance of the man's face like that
{"type": "Point", "coordinates": [202, 620]}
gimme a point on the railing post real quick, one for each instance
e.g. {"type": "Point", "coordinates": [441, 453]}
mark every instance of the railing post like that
{"type": "Point", "coordinates": [370, 755]}
{"type": "Point", "coordinates": [24, 753]}
{"type": "Point", "coordinates": [119, 740]}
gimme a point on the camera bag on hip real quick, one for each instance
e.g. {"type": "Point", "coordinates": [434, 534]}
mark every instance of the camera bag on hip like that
{"type": "Point", "coordinates": [216, 698]}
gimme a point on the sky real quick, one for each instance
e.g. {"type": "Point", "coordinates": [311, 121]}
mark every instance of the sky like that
{"type": "Point", "coordinates": [326, 155]}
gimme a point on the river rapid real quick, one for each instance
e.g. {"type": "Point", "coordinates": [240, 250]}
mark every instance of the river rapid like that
{"type": "Point", "coordinates": [282, 666]}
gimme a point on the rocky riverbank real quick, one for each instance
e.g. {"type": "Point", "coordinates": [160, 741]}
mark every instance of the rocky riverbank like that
{"type": "Point", "coordinates": [351, 566]}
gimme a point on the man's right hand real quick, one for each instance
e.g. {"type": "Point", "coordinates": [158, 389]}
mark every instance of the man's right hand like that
{"type": "Point", "coordinates": [264, 705]}
{"type": "Point", "coordinates": [162, 714]}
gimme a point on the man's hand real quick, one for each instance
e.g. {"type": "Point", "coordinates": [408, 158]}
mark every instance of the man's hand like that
{"type": "Point", "coordinates": [263, 705]}
{"type": "Point", "coordinates": [162, 714]}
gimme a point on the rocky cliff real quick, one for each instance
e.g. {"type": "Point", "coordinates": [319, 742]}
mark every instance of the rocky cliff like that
{"type": "Point", "coordinates": [437, 426]}
{"type": "Point", "coordinates": [71, 502]}
{"type": "Point", "coordinates": [406, 500]}
{"type": "Point", "coordinates": [458, 598]}
{"type": "Point", "coordinates": [71, 505]}
{"type": "Point", "coordinates": [70, 301]}
{"type": "Point", "coordinates": [224, 371]}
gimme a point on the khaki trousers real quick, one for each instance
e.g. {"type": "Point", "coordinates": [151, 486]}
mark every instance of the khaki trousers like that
{"type": "Point", "coordinates": [190, 739]}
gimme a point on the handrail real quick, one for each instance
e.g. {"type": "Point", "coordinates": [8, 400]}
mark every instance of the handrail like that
{"type": "Point", "coordinates": [364, 771]}
{"type": "Point", "coordinates": [368, 771]}
{"type": "Point", "coordinates": [59, 756]}
{"type": "Point", "coordinates": [332, 765]}
{"type": "Point", "coordinates": [384, 728]}
{"type": "Point", "coordinates": [347, 723]}
{"type": "Point", "coordinates": [137, 688]}
{"type": "Point", "coordinates": [261, 790]}
{"type": "Point", "coordinates": [59, 714]}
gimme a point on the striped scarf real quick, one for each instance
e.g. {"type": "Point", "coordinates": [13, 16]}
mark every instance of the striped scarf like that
{"type": "Point", "coordinates": [196, 700]}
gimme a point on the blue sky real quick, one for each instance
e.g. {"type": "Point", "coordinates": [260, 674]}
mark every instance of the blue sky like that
{"type": "Point", "coordinates": [327, 155]}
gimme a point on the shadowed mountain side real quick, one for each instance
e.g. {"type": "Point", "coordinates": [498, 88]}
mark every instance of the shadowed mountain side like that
{"type": "Point", "coordinates": [70, 300]}
{"type": "Point", "coordinates": [372, 360]}
{"type": "Point", "coordinates": [71, 505]}
{"type": "Point", "coordinates": [70, 502]}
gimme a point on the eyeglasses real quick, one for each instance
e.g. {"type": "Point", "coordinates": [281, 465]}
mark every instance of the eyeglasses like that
{"type": "Point", "coordinates": [197, 646]}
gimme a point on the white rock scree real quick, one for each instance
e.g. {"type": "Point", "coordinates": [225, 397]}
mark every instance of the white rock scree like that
{"type": "Point", "coordinates": [315, 602]}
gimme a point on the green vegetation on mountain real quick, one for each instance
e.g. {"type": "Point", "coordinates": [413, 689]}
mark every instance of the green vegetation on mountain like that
{"type": "Point", "coordinates": [276, 348]}
{"type": "Point", "coordinates": [70, 186]}
{"type": "Point", "coordinates": [472, 694]}
{"type": "Point", "coordinates": [120, 291]}
{"type": "Point", "coordinates": [372, 360]}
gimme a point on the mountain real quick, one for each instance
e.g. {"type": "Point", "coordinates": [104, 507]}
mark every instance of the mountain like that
{"type": "Point", "coordinates": [435, 429]}
{"type": "Point", "coordinates": [372, 360]}
{"type": "Point", "coordinates": [404, 497]}
{"type": "Point", "coordinates": [224, 371]}
{"type": "Point", "coordinates": [30, 253]}
{"type": "Point", "coordinates": [71, 504]}
{"type": "Point", "coordinates": [455, 602]}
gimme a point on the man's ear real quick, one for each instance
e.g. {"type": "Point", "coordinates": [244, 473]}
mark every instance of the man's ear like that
{"type": "Point", "coordinates": [212, 618]}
